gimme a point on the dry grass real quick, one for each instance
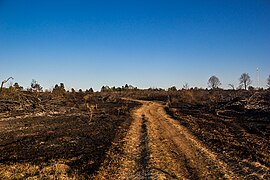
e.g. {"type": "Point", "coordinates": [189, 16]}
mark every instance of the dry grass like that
{"type": "Point", "coordinates": [55, 170]}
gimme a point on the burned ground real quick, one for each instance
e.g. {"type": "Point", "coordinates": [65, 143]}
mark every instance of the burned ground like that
{"type": "Point", "coordinates": [61, 132]}
{"type": "Point", "coordinates": [238, 130]}
{"type": "Point", "coordinates": [78, 135]}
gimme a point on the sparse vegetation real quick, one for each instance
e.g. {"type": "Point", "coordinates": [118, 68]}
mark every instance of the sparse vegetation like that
{"type": "Point", "coordinates": [35, 86]}
{"type": "Point", "coordinates": [3, 82]}
{"type": "Point", "coordinates": [135, 90]}
{"type": "Point", "coordinates": [59, 89]}
{"type": "Point", "coordinates": [213, 82]}
{"type": "Point", "coordinates": [186, 86]}
{"type": "Point", "coordinates": [17, 87]}
{"type": "Point", "coordinates": [244, 80]}
{"type": "Point", "coordinates": [74, 135]}
{"type": "Point", "coordinates": [173, 88]}
{"type": "Point", "coordinates": [231, 86]}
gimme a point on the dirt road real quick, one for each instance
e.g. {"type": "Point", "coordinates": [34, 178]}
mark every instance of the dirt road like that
{"type": "Point", "coordinates": [158, 147]}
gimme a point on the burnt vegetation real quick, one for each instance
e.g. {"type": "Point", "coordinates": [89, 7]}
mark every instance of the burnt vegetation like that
{"type": "Point", "coordinates": [234, 124]}
{"type": "Point", "coordinates": [48, 130]}
{"type": "Point", "coordinates": [58, 133]}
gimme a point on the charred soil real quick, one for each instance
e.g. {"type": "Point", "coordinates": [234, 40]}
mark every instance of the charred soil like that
{"type": "Point", "coordinates": [63, 143]}
{"type": "Point", "coordinates": [189, 134]}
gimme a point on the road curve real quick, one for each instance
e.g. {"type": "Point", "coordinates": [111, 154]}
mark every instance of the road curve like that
{"type": "Point", "coordinates": [158, 147]}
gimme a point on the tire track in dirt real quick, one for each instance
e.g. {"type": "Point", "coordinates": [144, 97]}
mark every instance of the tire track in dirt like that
{"type": "Point", "coordinates": [198, 161]}
{"type": "Point", "coordinates": [144, 150]}
{"type": "Point", "coordinates": [158, 147]}
{"type": "Point", "coordinates": [131, 161]}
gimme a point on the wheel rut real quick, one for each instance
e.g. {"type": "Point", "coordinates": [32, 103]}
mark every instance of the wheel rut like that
{"type": "Point", "coordinates": [158, 147]}
{"type": "Point", "coordinates": [144, 150]}
{"type": "Point", "coordinates": [132, 160]}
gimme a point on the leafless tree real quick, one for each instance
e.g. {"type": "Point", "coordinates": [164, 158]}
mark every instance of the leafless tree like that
{"type": "Point", "coordinates": [17, 87]}
{"type": "Point", "coordinates": [35, 86]}
{"type": "Point", "coordinates": [245, 80]}
{"type": "Point", "coordinates": [232, 86]}
{"type": "Point", "coordinates": [185, 86]}
{"type": "Point", "coordinates": [213, 82]}
{"type": "Point", "coordinates": [5, 81]}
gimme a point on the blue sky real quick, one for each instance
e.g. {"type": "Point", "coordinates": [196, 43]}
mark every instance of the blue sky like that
{"type": "Point", "coordinates": [144, 43]}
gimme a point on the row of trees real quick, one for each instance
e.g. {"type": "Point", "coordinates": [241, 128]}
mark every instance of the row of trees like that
{"type": "Point", "coordinates": [112, 89]}
{"type": "Point", "coordinates": [36, 87]}
{"type": "Point", "coordinates": [213, 83]}
{"type": "Point", "coordinates": [244, 82]}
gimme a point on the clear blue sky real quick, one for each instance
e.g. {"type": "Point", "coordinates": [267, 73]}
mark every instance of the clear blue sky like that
{"type": "Point", "coordinates": [144, 43]}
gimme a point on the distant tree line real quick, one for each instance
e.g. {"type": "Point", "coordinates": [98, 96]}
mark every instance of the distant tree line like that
{"type": "Point", "coordinates": [213, 83]}
{"type": "Point", "coordinates": [244, 82]}
{"type": "Point", "coordinates": [115, 89]}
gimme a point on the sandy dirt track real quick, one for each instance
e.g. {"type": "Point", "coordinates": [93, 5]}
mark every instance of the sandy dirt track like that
{"type": "Point", "coordinates": [158, 147]}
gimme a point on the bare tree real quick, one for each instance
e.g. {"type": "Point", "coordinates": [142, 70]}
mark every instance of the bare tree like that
{"type": "Point", "coordinates": [245, 80]}
{"type": "Point", "coordinates": [5, 81]}
{"type": "Point", "coordinates": [35, 86]}
{"type": "Point", "coordinates": [185, 86]}
{"type": "Point", "coordinates": [232, 86]}
{"type": "Point", "coordinates": [268, 82]}
{"type": "Point", "coordinates": [17, 87]}
{"type": "Point", "coordinates": [213, 82]}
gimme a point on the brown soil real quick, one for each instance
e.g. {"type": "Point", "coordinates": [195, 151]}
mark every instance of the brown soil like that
{"type": "Point", "coordinates": [241, 141]}
{"type": "Point", "coordinates": [158, 147]}
{"type": "Point", "coordinates": [62, 144]}
{"type": "Point", "coordinates": [101, 136]}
